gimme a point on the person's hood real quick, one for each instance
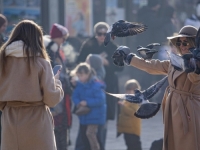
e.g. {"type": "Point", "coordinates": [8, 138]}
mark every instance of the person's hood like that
{"type": "Point", "coordinates": [15, 49]}
{"type": "Point", "coordinates": [95, 61]}
{"type": "Point", "coordinates": [47, 39]}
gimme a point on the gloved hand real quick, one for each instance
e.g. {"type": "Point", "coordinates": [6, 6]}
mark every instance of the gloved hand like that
{"type": "Point", "coordinates": [191, 64]}
{"type": "Point", "coordinates": [120, 55]}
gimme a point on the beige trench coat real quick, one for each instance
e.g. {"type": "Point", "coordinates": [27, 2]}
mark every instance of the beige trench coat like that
{"type": "Point", "coordinates": [27, 123]}
{"type": "Point", "coordinates": [181, 105]}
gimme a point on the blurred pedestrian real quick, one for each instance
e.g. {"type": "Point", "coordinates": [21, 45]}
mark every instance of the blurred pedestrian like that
{"type": "Point", "coordinates": [88, 94]}
{"type": "Point", "coordinates": [167, 18]}
{"type": "Point", "coordinates": [194, 20]}
{"type": "Point", "coordinates": [62, 112]}
{"type": "Point", "coordinates": [128, 124]}
{"type": "Point", "coordinates": [3, 26]}
{"type": "Point", "coordinates": [28, 88]}
{"type": "Point", "coordinates": [149, 15]}
{"type": "Point", "coordinates": [96, 62]}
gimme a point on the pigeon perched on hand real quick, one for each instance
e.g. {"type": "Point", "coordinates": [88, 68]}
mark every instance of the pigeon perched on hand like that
{"type": "Point", "coordinates": [123, 28]}
{"type": "Point", "coordinates": [147, 109]}
{"type": "Point", "coordinates": [148, 51]}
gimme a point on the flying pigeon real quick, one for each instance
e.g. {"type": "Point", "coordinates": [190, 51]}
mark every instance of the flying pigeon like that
{"type": "Point", "coordinates": [123, 28]}
{"type": "Point", "coordinates": [148, 51]}
{"type": "Point", "coordinates": [147, 109]}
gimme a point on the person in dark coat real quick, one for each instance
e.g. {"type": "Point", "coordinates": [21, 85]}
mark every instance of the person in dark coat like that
{"type": "Point", "coordinates": [94, 45]}
{"type": "Point", "coordinates": [62, 112]}
{"type": "Point", "coordinates": [149, 16]}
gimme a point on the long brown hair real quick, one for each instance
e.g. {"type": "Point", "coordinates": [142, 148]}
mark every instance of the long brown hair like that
{"type": "Point", "coordinates": [31, 34]}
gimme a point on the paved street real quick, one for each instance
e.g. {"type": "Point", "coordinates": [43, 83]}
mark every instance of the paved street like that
{"type": "Point", "coordinates": [152, 129]}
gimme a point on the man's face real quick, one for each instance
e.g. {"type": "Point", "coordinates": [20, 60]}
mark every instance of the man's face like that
{"type": "Point", "coordinates": [100, 35]}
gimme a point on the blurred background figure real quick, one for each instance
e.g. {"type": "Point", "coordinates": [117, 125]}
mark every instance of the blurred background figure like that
{"type": "Point", "coordinates": [194, 20]}
{"type": "Point", "coordinates": [96, 62]}
{"type": "Point", "coordinates": [128, 124]}
{"type": "Point", "coordinates": [62, 111]}
{"type": "Point", "coordinates": [94, 45]}
{"type": "Point", "coordinates": [3, 26]}
{"type": "Point", "coordinates": [89, 93]}
{"type": "Point", "coordinates": [149, 15]}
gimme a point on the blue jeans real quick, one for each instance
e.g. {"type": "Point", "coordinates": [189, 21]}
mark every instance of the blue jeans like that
{"type": "Point", "coordinates": [83, 144]}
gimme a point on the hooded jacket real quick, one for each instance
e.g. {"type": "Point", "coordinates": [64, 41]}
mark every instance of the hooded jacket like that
{"type": "Point", "coordinates": [92, 93]}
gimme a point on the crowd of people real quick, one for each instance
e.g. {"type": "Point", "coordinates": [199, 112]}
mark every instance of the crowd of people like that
{"type": "Point", "coordinates": [37, 106]}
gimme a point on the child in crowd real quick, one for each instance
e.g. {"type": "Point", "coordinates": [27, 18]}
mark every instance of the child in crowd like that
{"type": "Point", "coordinates": [89, 93]}
{"type": "Point", "coordinates": [128, 123]}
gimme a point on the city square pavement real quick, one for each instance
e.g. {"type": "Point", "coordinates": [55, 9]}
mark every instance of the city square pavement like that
{"type": "Point", "coordinates": [152, 129]}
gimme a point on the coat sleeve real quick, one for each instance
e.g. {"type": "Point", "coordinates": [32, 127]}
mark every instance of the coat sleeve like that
{"type": "Point", "coordinates": [75, 96]}
{"type": "Point", "coordinates": [194, 78]}
{"type": "Point", "coordinates": [153, 66]}
{"type": "Point", "coordinates": [51, 88]}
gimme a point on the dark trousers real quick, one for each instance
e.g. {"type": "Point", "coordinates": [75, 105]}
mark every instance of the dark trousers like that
{"type": "Point", "coordinates": [82, 142]}
{"type": "Point", "coordinates": [132, 141]}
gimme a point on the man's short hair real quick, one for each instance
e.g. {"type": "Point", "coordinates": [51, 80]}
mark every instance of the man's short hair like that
{"type": "Point", "coordinates": [100, 25]}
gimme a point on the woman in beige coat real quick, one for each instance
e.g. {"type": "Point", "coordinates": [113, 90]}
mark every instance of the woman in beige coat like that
{"type": "Point", "coordinates": [27, 89]}
{"type": "Point", "coordinates": [181, 103]}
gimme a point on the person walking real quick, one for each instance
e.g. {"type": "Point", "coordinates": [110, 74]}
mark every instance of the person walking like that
{"type": "Point", "coordinates": [28, 88]}
{"type": "Point", "coordinates": [181, 105]}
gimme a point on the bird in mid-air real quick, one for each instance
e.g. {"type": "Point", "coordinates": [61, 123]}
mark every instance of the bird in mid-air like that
{"type": "Point", "coordinates": [147, 109]}
{"type": "Point", "coordinates": [123, 28]}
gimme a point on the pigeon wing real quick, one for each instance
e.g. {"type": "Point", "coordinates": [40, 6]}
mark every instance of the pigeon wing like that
{"type": "Point", "coordinates": [147, 110]}
{"type": "Point", "coordinates": [135, 28]}
{"type": "Point", "coordinates": [107, 38]}
{"type": "Point", "coordinates": [129, 29]}
{"type": "Point", "coordinates": [129, 97]}
{"type": "Point", "coordinates": [150, 46]}
{"type": "Point", "coordinates": [152, 90]}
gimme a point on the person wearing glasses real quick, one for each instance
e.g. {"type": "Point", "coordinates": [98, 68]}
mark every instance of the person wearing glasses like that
{"type": "Point", "coordinates": [181, 102]}
{"type": "Point", "coordinates": [94, 45]}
